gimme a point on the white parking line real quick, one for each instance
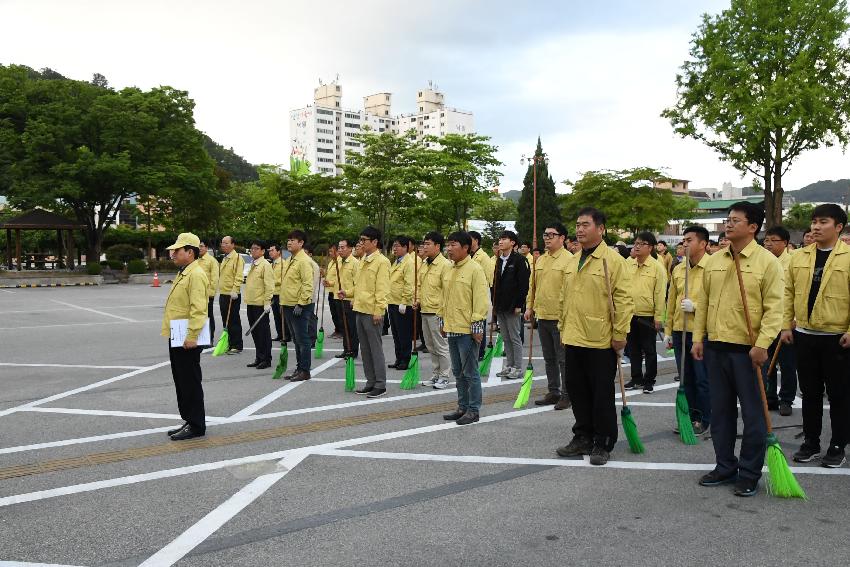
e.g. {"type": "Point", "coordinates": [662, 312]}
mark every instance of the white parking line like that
{"type": "Point", "coordinates": [89, 309]}
{"type": "Point", "coordinates": [71, 366]}
{"type": "Point", "coordinates": [116, 413]}
{"type": "Point", "coordinates": [19, 327]}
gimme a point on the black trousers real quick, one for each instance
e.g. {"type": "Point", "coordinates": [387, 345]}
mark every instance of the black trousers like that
{"type": "Point", "coordinates": [211, 313]}
{"type": "Point", "coordinates": [346, 309]}
{"type": "Point", "coordinates": [590, 385]}
{"type": "Point", "coordinates": [419, 332]}
{"type": "Point", "coordinates": [641, 343]}
{"type": "Point", "coordinates": [278, 322]}
{"type": "Point", "coordinates": [261, 334]}
{"type": "Point", "coordinates": [822, 363]}
{"type": "Point", "coordinates": [234, 328]}
{"type": "Point", "coordinates": [402, 327]}
{"type": "Point", "coordinates": [336, 312]}
{"type": "Point", "coordinates": [186, 372]}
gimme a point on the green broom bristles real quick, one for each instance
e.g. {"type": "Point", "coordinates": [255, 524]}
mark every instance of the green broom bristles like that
{"type": "Point", "coordinates": [484, 366]}
{"type": "Point", "coordinates": [525, 390]}
{"type": "Point", "coordinates": [320, 344]}
{"type": "Point", "coordinates": [500, 346]}
{"type": "Point", "coordinates": [780, 479]}
{"type": "Point", "coordinates": [223, 344]}
{"type": "Point", "coordinates": [349, 374]}
{"type": "Point", "coordinates": [282, 362]}
{"type": "Point", "coordinates": [683, 419]}
{"type": "Point", "coordinates": [630, 429]}
{"type": "Point", "coordinates": [411, 375]}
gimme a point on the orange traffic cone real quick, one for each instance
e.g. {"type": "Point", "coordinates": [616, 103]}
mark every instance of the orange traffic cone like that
{"type": "Point", "coordinates": [155, 280]}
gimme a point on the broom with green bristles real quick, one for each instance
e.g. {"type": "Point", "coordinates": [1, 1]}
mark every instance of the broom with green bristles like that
{"type": "Point", "coordinates": [490, 351]}
{"type": "Point", "coordinates": [780, 479]}
{"type": "Point", "coordinates": [628, 421]}
{"type": "Point", "coordinates": [525, 390]}
{"type": "Point", "coordinates": [683, 412]}
{"type": "Point", "coordinates": [349, 356]}
{"type": "Point", "coordinates": [411, 375]}
{"type": "Point", "coordinates": [283, 361]}
{"type": "Point", "coordinates": [320, 336]}
{"type": "Point", "coordinates": [223, 344]}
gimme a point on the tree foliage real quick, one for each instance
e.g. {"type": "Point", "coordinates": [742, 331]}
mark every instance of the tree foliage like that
{"type": "Point", "coordinates": [547, 200]}
{"type": "Point", "coordinates": [799, 216]}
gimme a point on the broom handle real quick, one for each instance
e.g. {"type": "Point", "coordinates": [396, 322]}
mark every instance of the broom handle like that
{"type": "Point", "coordinates": [342, 305]}
{"type": "Point", "coordinates": [684, 324]}
{"type": "Point", "coordinates": [322, 305]}
{"type": "Point", "coordinates": [612, 314]}
{"type": "Point", "coordinates": [257, 322]}
{"type": "Point", "coordinates": [773, 358]}
{"type": "Point", "coordinates": [227, 320]}
{"type": "Point", "coordinates": [533, 292]}
{"type": "Point", "coordinates": [495, 287]}
{"type": "Point", "coordinates": [415, 295]}
{"type": "Point", "coordinates": [752, 338]}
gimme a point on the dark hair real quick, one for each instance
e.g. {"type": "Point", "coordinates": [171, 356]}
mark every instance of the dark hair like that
{"type": "Point", "coordinates": [647, 237]}
{"type": "Point", "coordinates": [297, 234]}
{"type": "Point", "coordinates": [700, 231]}
{"type": "Point", "coordinates": [261, 243]}
{"type": "Point", "coordinates": [807, 231]}
{"type": "Point", "coordinates": [539, 250]}
{"type": "Point", "coordinates": [779, 231]}
{"type": "Point", "coordinates": [664, 243]}
{"type": "Point", "coordinates": [475, 235]}
{"type": "Point", "coordinates": [435, 237]}
{"type": "Point", "coordinates": [403, 240]}
{"type": "Point", "coordinates": [559, 228]}
{"type": "Point", "coordinates": [461, 237]}
{"type": "Point", "coordinates": [274, 245]}
{"type": "Point", "coordinates": [350, 242]}
{"type": "Point", "coordinates": [526, 243]}
{"type": "Point", "coordinates": [594, 213]}
{"type": "Point", "coordinates": [371, 233]}
{"type": "Point", "coordinates": [194, 249]}
{"type": "Point", "coordinates": [308, 248]}
{"type": "Point", "coordinates": [831, 211]}
{"type": "Point", "coordinates": [753, 212]}
{"type": "Point", "coordinates": [509, 234]}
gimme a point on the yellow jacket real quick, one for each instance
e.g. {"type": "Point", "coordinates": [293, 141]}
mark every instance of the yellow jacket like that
{"type": "Point", "coordinates": [277, 269]}
{"type": "Point", "coordinates": [677, 293]}
{"type": "Point", "coordinates": [210, 266]}
{"type": "Point", "coordinates": [831, 311]}
{"type": "Point", "coordinates": [259, 285]}
{"type": "Point", "coordinates": [490, 269]}
{"type": "Point", "coordinates": [551, 277]}
{"type": "Point", "coordinates": [431, 284]}
{"type": "Point", "coordinates": [187, 299]}
{"type": "Point", "coordinates": [586, 317]}
{"type": "Point", "coordinates": [401, 281]}
{"type": "Point", "coordinates": [331, 277]}
{"type": "Point", "coordinates": [466, 297]}
{"type": "Point", "coordinates": [372, 284]}
{"type": "Point", "coordinates": [784, 260]}
{"type": "Point", "coordinates": [483, 260]}
{"type": "Point", "coordinates": [348, 269]}
{"type": "Point", "coordinates": [296, 286]}
{"type": "Point", "coordinates": [719, 310]}
{"type": "Point", "coordinates": [649, 285]}
{"type": "Point", "coordinates": [666, 261]}
{"type": "Point", "coordinates": [231, 273]}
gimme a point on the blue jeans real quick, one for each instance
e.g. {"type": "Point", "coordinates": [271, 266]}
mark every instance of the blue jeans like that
{"type": "Point", "coordinates": [463, 351]}
{"type": "Point", "coordinates": [786, 362]}
{"type": "Point", "coordinates": [299, 329]}
{"type": "Point", "coordinates": [695, 380]}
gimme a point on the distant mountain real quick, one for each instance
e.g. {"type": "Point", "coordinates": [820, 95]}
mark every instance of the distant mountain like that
{"type": "Point", "coordinates": [228, 160]}
{"type": "Point", "coordinates": [512, 195]}
{"type": "Point", "coordinates": [825, 190]}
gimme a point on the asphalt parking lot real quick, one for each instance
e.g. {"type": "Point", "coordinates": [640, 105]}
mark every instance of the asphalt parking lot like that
{"type": "Point", "coordinates": [307, 474]}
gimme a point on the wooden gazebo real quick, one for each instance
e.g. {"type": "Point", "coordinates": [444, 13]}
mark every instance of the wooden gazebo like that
{"type": "Point", "coordinates": [39, 219]}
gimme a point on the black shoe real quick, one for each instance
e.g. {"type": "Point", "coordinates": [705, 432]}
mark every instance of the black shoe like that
{"type": "Point", "coordinates": [809, 451]}
{"type": "Point", "coordinates": [253, 364]}
{"type": "Point", "coordinates": [422, 348]}
{"type": "Point", "coordinates": [834, 457]}
{"type": "Point", "coordinates": [393, 365]}
{"type": "Point", "coordinates": [364, 390]}
{"type": "Point", "coordinates": [263, 365]}
{"type": "Point", "coordinates": [677, 378]}
{"type": "Point", "coordinates": [563, 403]}
{"type": "Point", "coordinates": [402, 365]}
{"type": "Point", "coordinates": [467, 418]}
{"type": "Point", "coordinates": [578, 446]}
{"type": "Point", "coordinates": [277, 339]}
{"type": "Point", "coordinates": [599, 456]}
{"type": "Point", "coordinates": [341, 355]}
{"type": "Point", "coordinates": [377, 393]}
{"type": "Point", "coordinates": [785, 409]}
{"type": "Point", "coordinates": [549, 399]}
{"type": "Point", "coordinates": [714, 478]}
{"type": "Point", "coordinates": [455, 415]}
{"type": "Point", "coordinates": [633, 385]}
{"type": "Point", "coordinates": [290, 376]}
{"type": "Point", "coordinates": [647, 388]}
{"type": "Point", "coordinates": [171, 432]}
{"type": "Point", "coordinates": [301, 376]}
{"type": "Point", "coordinates": [187, 433]}
{"type": "Point", "coordinates": [746, 487]}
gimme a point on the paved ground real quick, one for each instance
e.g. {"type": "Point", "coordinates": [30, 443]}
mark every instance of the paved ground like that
{"type": "Point", "coordinates": [307, 474]}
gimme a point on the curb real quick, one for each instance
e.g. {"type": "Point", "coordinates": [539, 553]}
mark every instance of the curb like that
{"type": "Point", "coordinates": [46, 285]}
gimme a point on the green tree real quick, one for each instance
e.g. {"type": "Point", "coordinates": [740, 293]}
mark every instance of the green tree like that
{"type": "Point", "coordinates": [252, 210]}
{"type": "Point", "coordinates": [767, 81]}
{"type": "Point", "coordinates": [313, 200]}
{"type": "Point", "coordinates": [492, 211]}
{"type": "Point", "coordinates": [628, 199]}
{"type": "Point", "coordinates": [547, 200]}
{"type": "Point", "coordinates": [799, 216]}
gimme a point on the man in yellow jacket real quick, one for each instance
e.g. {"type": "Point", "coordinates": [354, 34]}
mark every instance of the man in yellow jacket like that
{"type": "Point", "coordinates": [259, 288]}
{"type": "Point", "coordinates": [296, 296]}
{"type": "Point", "coordinates": [463, 318]}
{"type": "Point", "coordinates": [210, 265]}
{"type": "Point", "coordinates": [429, 305]}
{"type": "Point", "coordinates": [817, 299]}
{"type": "Point", "coordinates": [277, 262]}
{"type": "Point", "coordinates": [230, 298]}
{"type": "Point", "coordinates": [480, 255]}
{"type": "Point", "coordinates": [331, 283]}
{"type": "Point", "coordinates": [187, 301]}
{"type": "Point", "coordinates": [400, 298]}
{"type": "Point", "coordinates": [592, 342]}
{"type": "Point", "coordinates": [730, 355]}
{"type": "Point", "coordinates": [344, 269]}
{"type": "Point", "coordinates": [649, 287]}
{"type": "Point", "coordinates": [548, 283]}
{"type": "Point", "coordinates": [371, 288]}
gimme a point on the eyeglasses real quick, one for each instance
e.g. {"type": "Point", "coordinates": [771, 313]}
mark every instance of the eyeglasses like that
{"type": "Point", "coordinates": [773, 241]}
{"type": "Point", "coordinates": [551, 234]}
{"type": "Point", "coordinates": [734, 221]}
{"type": "Point", "coordinates": [364, 239]}
{"type": "Point", "coordinates": [639, 244]}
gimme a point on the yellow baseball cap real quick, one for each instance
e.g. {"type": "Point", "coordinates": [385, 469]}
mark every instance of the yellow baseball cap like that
{"type": "Point", "coordinates": [186, 239]}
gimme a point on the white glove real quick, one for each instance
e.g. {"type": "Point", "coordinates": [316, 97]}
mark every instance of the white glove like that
{"type": "Point", "coordinates": [267, 307]}
{"type": "Point", "coordinates": [402, 309]}
{"type": "Point", "coordinates": [668, 341]}
{"type": "Point", "coordinates": [687, 306]}
{"type": "Point", "coordinates": [234, 295]}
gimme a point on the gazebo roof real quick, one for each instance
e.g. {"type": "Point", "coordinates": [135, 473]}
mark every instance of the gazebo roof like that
{"type": "Point", "coordinates": [39, 219]}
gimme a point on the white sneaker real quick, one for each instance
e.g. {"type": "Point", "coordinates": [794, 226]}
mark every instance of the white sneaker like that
{"type": "Point", "coordinates": [429, 382]}
{"type": "Point", "coordinates": [441, 384]}
{"type": "Point", "coordinates": [504, 372]}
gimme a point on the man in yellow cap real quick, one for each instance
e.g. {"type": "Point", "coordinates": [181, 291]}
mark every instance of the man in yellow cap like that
{"type": "Point", "coordinates": [230, 298]}
{"type": "Point", "coordinates": [259, 288]}
{"type": "Point", "coordinates": [211, 267]}
{"type": "Point", "coordinates": [187, 301]}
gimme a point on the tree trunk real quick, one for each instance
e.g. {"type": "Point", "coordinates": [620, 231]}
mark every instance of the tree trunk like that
{"type": "Point", "coordinates": [773, 199]}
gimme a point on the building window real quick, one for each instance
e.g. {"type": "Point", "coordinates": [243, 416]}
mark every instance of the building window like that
{"type": "Point", "coordinates": [353, 126]}
{"type": "Point", "coordinates": [323, 121]}
{"type": "Point", "coordinates": [322, 111]}
{"type": "Point", "coordinates": [325, 150]}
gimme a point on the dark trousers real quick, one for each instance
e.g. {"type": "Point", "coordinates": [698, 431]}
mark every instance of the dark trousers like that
{"type": "Point", "coordinates": [336, 312]}
{"type": "Point", "coordinates": [186, 372]}
{"type": "Point", "coordinates": [553, 355]}
{"type": "Point", "coordinates": [641, 342]}
{"type": "Point", "coordinates": [695, 379]}
{"type": "Point", "coordinates": [234, 326]}
{"type": "Point", "coordinates": [211, 313]}
{"type": "Point", "coordinates": [347, 311]}
{"type": "Point", "coordinates": [590, 385]}
{"type": "Point", "coordinates": [733, 381]}
{"type": "Point", "coordinates": [824, 364]}
{"type": "Point", "coordinates": [299, 329]}
{"type": "Point", "coordinates": [786, 362]}
{"type": "Point", "coordinates": [402, 327]}
{"type": "Point", "coordinates": [261, 334]}
{"type": "Point", "coordinates": [278, 323]}
{"type": "Point", "coordinates": [420, 334]}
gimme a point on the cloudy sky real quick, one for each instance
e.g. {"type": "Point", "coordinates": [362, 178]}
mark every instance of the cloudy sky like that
{"type": "Point", "coordinates": [590, 78]}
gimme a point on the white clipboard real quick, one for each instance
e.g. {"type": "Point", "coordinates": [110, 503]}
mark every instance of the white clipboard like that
{"type": "Point", "coordinates": [180, 328]}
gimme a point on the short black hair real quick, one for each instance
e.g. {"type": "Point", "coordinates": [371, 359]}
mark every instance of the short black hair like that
{"type": "Point", "coordinates": [700, 231]}
{"type": "Point", "coordinates": [526, 243]}
{"type": "Point", "coordinates": [594, 213]}
{"type": "Point", "coordinates": [559, 228]}
{"type": "Point", "coordinates": [539, 250]}
{"type": "Point", "coordinates": [403, 240]}
{"type": "Point", "coordinates": [435, 237]}
{"type": "Point", "coordinates": [511, 235]}
{"type": "Point", "coordinates": [350, 242]}
{"type": "Point", "coordinates": [461, 237]}
{"type": "Point", "coordinates": [807, 231]}
{"type": "Point", "coordinates": [297, 234]}
{"type": "Point", "coordinates": [831, 211]}
{"type": "Point", "coordinates": [475, 235]}
{"type": "Point", "coordinates": [664, 243]}
{"type": "Point", "coordinates": [308, 248]}
{"type": "Point", "coordinates": [647, 237]}
{"type": "Point", "coordinates": [194, 249]}
{"type": "Point", "coordinates": [753, 212]}
{"type": "Point", "coordinates": [274, 245]}
{"type": "Point", "coordinates": [712, 242]}
{"type": "Point", "coordinates": [371, 233]}
{"type": "Point", "coordinates": [779, 231]}
{"type": "Point", "coordinates": [261, 243]}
